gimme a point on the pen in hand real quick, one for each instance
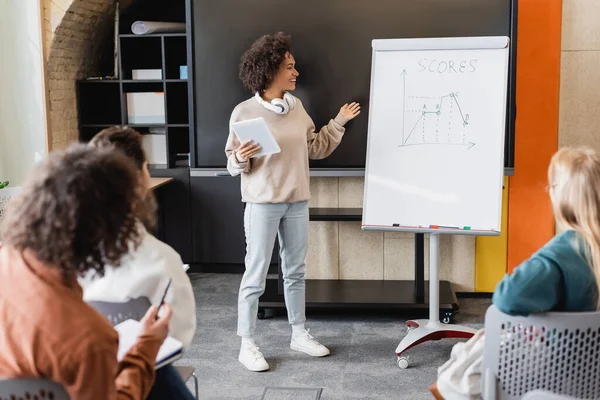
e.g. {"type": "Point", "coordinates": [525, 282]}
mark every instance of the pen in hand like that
{"type": "Point", "coordinates": [162, 300]}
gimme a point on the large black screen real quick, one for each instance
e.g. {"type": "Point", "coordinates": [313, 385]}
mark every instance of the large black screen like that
{"type": "Point", "coordinates": [331, 41]}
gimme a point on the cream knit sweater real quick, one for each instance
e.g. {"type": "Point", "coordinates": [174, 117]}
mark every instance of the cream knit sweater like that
{"type": "Point", "coordinates": [282, 177]}
{"type": "Point", "coordinates": [144, 272]}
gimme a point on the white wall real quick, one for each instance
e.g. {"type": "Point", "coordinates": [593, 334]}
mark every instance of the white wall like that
{"type": "Point", "coordinates": [22, 102]}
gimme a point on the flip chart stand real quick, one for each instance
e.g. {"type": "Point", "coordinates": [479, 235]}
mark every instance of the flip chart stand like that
{"type": "Point", "coordinates": [422, 330]}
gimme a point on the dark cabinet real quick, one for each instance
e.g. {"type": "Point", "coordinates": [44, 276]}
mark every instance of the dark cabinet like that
{"type": "Point", "coordinates": [218, 221]}
{"type": "Point", "coordinates": [174, 217]}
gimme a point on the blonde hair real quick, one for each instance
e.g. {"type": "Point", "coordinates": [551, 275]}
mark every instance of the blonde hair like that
{"type": "Point", "coordinates": [574, 183]}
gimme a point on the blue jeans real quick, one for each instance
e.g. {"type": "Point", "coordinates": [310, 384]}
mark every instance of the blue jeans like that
{"type": "Point", "coordinates": [262, 222]}
{"type": "Point", "coordinates": [169, 385]}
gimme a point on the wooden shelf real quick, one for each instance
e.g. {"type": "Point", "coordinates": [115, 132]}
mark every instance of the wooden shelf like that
{"type": "Point", "coordinates": [153, 80]}
{"type": "Point", "coordinates": [98, 81]}
{"type": "Point", "coordinates": [147, 125]}
{"type": "Point", "coordinates": [142, 81]}
{"type": "Point", "coordinates": [133, 35]}
{"type": "Point", "coordinates": [335, 214]}
{"type": "Point", "coordinates": [136, 125]}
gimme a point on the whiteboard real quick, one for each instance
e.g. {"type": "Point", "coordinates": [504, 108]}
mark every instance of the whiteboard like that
{"type": "Point", "coordinates": [435, 147]}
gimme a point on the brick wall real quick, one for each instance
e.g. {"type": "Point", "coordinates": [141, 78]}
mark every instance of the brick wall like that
{"type": "Point", "coordinates": [74, 32]}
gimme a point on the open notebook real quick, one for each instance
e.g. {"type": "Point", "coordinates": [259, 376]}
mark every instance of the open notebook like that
{"type": "Point", "coordinates": [129, 330]}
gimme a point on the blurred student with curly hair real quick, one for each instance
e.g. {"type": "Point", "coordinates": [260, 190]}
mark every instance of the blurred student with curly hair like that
{"type": "Point", "coordinates": [77, 212]}
{"type": "Point", "coordinates": [275, 187]}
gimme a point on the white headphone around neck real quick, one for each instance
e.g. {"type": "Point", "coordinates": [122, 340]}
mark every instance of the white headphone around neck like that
{"type": "Point", "coordinates": [278, 106]}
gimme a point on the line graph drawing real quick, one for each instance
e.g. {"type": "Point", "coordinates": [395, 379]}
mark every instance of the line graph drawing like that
{"type": "Point", "coordinates": [433, 120]}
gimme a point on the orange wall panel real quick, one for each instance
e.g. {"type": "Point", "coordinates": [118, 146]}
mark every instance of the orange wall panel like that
{"type": "Point", "coordinates": [530, 220]}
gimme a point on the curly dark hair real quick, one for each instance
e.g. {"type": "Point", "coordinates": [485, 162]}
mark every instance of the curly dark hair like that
{"type": "Point", "coordinates": [123, 138]}
{"type": "Point", "coordinates": [260, 62]}
{"type": "Point", "coordinates": [79, 210]}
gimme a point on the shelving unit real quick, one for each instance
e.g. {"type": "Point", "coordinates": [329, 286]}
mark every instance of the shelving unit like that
{"type": "Point", "coordinates": [103, 103]}
{"type": "Point", "coordinates": [395, 295]}
{"type": "Point", "coordinates": [127, 35]}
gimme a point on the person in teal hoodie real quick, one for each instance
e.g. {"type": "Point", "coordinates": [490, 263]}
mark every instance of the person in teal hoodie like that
{"type": "Point", "coordinates": [561, 276]}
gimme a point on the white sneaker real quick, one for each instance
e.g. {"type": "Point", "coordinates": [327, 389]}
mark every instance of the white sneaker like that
{"type": "Point", "coordinates": [252, 358]}
{"type": "Point", "coordinates": [305, 343]}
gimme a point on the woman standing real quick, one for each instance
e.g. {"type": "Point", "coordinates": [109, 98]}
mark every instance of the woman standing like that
{"type": "Point", "coordinates": [275, 188]}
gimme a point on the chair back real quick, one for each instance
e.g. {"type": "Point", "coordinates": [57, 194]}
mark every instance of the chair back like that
{"type": "Point", "coordinates": [544, 395]}
{"type": "Point", "coordinates": [31, 389]}
{"type": "Point", "coordinates": [555, 352]}
{"type": "Point", "coordinates": [5, 195]}
{"type": "Point", "coordinates": [119, 312]}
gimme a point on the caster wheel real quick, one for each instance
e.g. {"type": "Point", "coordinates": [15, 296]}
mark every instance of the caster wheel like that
{"type": "Point", "coordinates": [448, 318]}
{"type": "Point", "coordinates": [403, 362]}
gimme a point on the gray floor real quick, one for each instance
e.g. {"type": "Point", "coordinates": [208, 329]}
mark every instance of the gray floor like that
{"type": "Point", "coordinates": [362, 364]}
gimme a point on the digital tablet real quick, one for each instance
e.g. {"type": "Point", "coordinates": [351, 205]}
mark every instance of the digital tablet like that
{"type": "Point", "coordinates": [258, 131]}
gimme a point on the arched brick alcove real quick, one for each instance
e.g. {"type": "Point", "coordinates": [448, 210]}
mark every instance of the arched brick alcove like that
{"type": "Point", "coordinates": [77, 32]}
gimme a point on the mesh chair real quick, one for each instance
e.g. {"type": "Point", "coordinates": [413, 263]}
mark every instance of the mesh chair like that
{"type": "Point", "coordinates": [136, 309]}
{"type": "Point", "coordinates": [32, 389]}
{"type": "Point", "coordinates": [544, 395]}
{"type": "Point", "coordinates": [555, 352]}
{"type": "Point", "coordinates": [5, 196]}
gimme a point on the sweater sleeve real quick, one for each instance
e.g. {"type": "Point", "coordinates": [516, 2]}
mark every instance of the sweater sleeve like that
{"type": "Point", "coordinates": [135, 373]}
{"type": "Point", "coordinates": [534, 286]}
{"type": "Point", "coordinates": [234, 165]}
{"type": "Point", "coordinates": [322, 144]}
{"type": "Point", "coordinates": [101, 373]}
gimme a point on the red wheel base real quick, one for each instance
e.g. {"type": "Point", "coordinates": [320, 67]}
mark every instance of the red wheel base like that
{"type": "Point", "coordinates": [423, 330]}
